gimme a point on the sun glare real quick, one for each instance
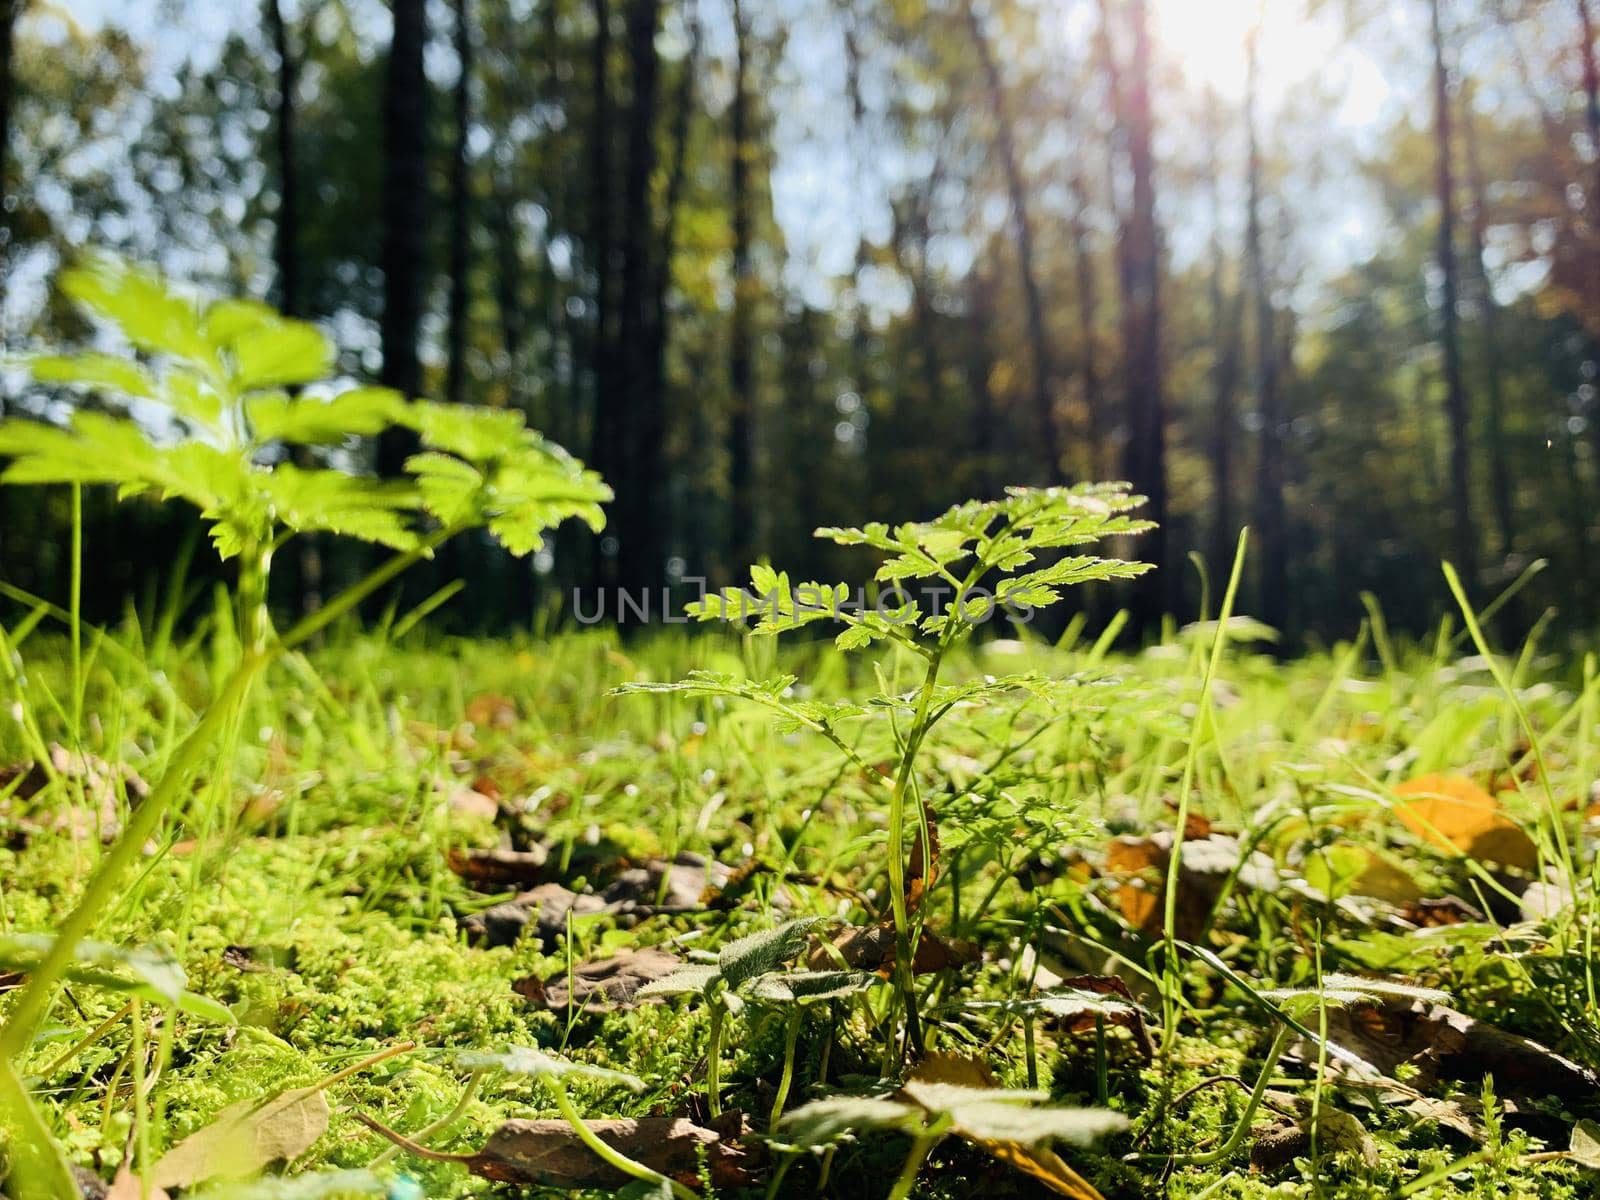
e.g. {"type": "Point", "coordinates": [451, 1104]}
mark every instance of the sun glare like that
{"type": "Point", "coordinates": [1207, 39]}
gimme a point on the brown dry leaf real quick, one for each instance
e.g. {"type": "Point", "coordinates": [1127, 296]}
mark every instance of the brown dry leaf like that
{"type": "Point", "coordinates": [1132, 1020]}
{"type": "Point", "coordinates": [548, 1153]}
{"type": "Point", "coordinates": [1453, 813]}
{"type": "Point", "coordinates": [924, 872]}
{"type": "Point", "coordinates": [666, 887]}
{"type": "Point", "coordinates": [1442, 1043]}
{"type": "Point", "coordinates": [496, 870]}
{"type": "Point", "coordinates": [602, 985]}
{"type": "Point", "coordinates": [1446, 910]}
{"type": "Point", "coordinates": [127, 1186]}
{"type": "Point", "coordinates": [245, 1138]}
{"type": "Point", "coordinates": [103, 785]}
{"type": "Point", "coordinates": [871, 948]}
{"type": "Point", "coordinates": [1138, 867]}
{"type": "Point", "coordinates": [1280, 1143]}
{"type": "Point", "coordinates": [491, 711]}
{"type": "Point", "coordinates": [543, 908]}
{"type": "Point", "coordinates": [1452, 1113]}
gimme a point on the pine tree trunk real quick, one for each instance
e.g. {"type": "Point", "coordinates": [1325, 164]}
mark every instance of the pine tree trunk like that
{"type": "Point", "coordinates": [455, 389]}
{"type": "Point", "coordinates": [1272, 604]}
{"type": "Point", "coordinates": [661, 276]}
{"type": "Point", "coordinates": [642, 530]}
{"type": "Point", "coordinates": [1022, 231]}
{"type": "Point", "coordinates": [605, 451]}
{"type": "Point", "coordinates": [1089, 353]}
{"type": "Point", "coordinates": [741, 424]}
{"type": "Point", "coordinates": [1144, 457]}
{"type": "Point", "coordinates": [1488, 313]}
{"type": "Point", "coordinates": [1227, 319]}
{"type": "Point", "coordinates": [1456, 406]}
{"type": "Point", "coordinates": [405, 213]}
{"type": "Point", "coordinates": [10, 10]}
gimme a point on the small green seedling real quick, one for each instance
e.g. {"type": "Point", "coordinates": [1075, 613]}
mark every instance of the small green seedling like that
{"type": "Point", "coordinates": [203, 404]}
{"type": "Point", "coordinates": [975, 561]}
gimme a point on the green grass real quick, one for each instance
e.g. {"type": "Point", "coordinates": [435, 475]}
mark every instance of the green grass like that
{"type": "Point", "coordinates": [318, 835]}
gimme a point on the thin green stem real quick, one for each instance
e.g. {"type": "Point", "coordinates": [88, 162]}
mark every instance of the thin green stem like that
{"type": "Point", "coordinates": [1175, 858]}
{"type": "Point", "coordinates": [75, 602]}
{"type": "Point", "coordinates": [791, 1039]}
{"type": "Point", "coordinates": [609, 1154]}
{"type": "Point", "coordinates": [714, 1059]}
{"type": "Point", "coordinates": [434, 1128]}
{"type": "Point", "coordinates": [920, 1149]}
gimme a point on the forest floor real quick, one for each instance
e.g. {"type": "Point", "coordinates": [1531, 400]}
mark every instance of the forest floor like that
{"type": "Point", "coordinates": [410, 852]}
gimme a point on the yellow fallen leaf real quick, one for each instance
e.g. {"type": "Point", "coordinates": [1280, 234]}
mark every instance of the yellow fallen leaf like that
{"type": "Point", "coordinates": [246, 1137]}
{"type": "Point", "coordinates": [1453, 813]}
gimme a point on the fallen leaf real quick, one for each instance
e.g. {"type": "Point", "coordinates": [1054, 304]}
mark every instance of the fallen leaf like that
{"type": "Point", "coordinates": [1450, 1112]}
{"type": "Point", "coordinates": [497, 870]}
{"type": "Point", "coordinates": [1128, 1015]}
{"type": "Point", "coordinates": [601, 985]}
{"type": "Point", "coordinates": [1585, 1145]}
{"type": "Point", "coordinates": [1337, 1132]}
{"type": "Point", "coordinates": [1138, 869]}
{"type": "Point", "coordinates": [665, 887]}
{"type": "Point", "coordinates": [1446, 910]}
{"type": "Point", "coordinates": [489, 710]}
{"type": "Point", "coordinates": [102, 784]}
{"type": "Point", "coordinates": [871, 948]}
{"type": "Point", "coordinates": [1444, 1044]}
{"type": "Point", "coordinates": [924, 872]}
{"type": "Point", "coordinates": [1450, 812]}
{"type": "Point", "coordinates": [549, 1153]}
{"type": "Point", "coordinates": [544, 908]}
{"type": "Point", "coordinates": [245, 1138]}
{"type": "Point", "coordinates": [656, 888]}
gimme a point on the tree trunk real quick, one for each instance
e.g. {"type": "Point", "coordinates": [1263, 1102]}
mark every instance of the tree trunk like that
{"type": "Point", "coordinates": [605, 446]}
{"type": "Point", "coordinates": [1144, 456]}
{"type": "Point", "coordinates": [1272, 603]}
{"type": "Point", "coordinates": [1591, 197]}
{"type": "Point", "coordinates": [661, 277]}
{"type": "Point", "coordinates": [10, 10]}
{"type": "Point", "coordinates": [642, 529]}
{"type": "Point", "coordinates": [460, 213]}
{"type": "Point", "coordinates": [1227, 320]}
{"type": "Point", "coordinates": [741, 424]}
{"type": "Point", "coordinates": [286, 233]}
{"type": "Point", "coordinates": [405, 213]}
{"type": "Point", "coordinates": [286, 262]}
{"type": "Point", "coordinates": [1591, 104]}
{"type": "Point", "coordinates": [1022, 231]}
{"type": "Point", "coordinates": [1456, 408]}
{"type": "Point", "coordinates": [1089, 353]}
{"type": "Point", "coordinates": [1488, 313]}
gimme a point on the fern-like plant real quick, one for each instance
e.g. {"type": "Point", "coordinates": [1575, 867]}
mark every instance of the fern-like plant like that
{"type": "Point", "coordinates": [202, 404]}
{"type": "Point", "coordinates": [1016, 554]}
